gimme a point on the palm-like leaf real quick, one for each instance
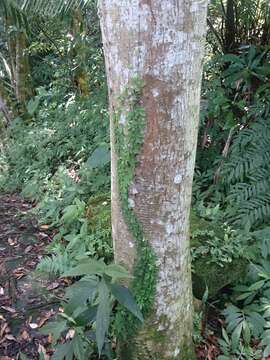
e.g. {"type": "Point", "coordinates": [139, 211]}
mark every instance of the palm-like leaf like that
{"type": "Point", "coordinates": [45, 7]}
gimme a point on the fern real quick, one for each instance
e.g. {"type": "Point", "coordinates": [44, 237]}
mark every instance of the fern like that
{"type": "Point", "coordinates": [247, 176]}
{"type": "Point", "coordinates": [55, 264]}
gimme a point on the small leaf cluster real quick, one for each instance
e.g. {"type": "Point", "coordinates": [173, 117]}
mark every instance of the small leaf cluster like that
{"type": "Point", "coordinates": [216, 249]}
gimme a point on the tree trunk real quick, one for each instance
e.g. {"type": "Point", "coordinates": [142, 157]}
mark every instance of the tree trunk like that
{"type": "Point", "coordinates": [153, 53]}
{"type": "Point", "coordinates": [4, 110]}
{"type": "Point", "coordinates": [5, 104]}
{"type": "Point", "coordinates": [20, 74]}
{"type": "Point", "coordinates": [81, 78]}
{"type": "Point", "coordinates": [230, 30]}
{"type": "Point", "coordinates": [11, 44]}
{"type": "Point", "coordinates": [24, 87]}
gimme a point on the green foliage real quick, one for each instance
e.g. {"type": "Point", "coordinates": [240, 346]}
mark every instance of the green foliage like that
{"type": "Point", "coordinates": [46, 8]}
{"type": "Point", "coordinates": [230, 197]}
{"type": "Point", "coordinates": [48, 160]}
{"type": "Point", "coordinates": [87, 309]}
{"type": "Point", "coordinates": [69, 140]}
{"type": "Point", "coordinates": [241, 23]}
{"type": "Point", "coordinates": [239, 352]}
{"type": "Point", "coordinates": [57, 154]}
{"type": "Point", "coordinates": [55, 264]}
{"type": "Point", "coordinates": [215, 249]}
{"type": "Point", "coordinates": [246, 173]}
{"type": "Point", "coordinates": [250, 318]}
{"type": "Point", "coordinates": [234, 91]}
{"type": "Point", "coordinates": [220, 252]}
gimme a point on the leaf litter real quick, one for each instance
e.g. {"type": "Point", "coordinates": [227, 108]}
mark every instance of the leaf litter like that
{"type": "Point", "coordinates": [27, 299]}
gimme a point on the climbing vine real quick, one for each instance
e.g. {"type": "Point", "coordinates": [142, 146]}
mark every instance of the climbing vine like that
{"type": "Point", "coordinates": [129, 125]}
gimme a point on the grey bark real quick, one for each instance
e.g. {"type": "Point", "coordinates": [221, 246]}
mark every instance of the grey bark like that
{"type": "Point", "coordinates": [162, 43]}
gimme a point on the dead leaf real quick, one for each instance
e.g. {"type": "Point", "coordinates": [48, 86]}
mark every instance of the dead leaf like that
{"type": "Point", "coordinates": [48, 315]}
{"type": "Point", "coordinates": [19, 276]}
{"type": "Point", "coordinates": [28, 249]}
{"type": "Point", "coordinates": [44, 235]}
{"type": "Point", "coordinates": [12, 242]}
{"type": "Point", "coordinates": [3, 329]}
{"type": "Point", "coordinates": [29, 320]}
{"type": "Point", "coordinates": [53, 286]}
{"type": "Point", "coordinates": [2, 291]}
{"type": "Point", "coordinates": [44, 227]}
{"type": "Point", "coordinates": [24, 336]}
{"type": "Point", "coordinates": [10, 337]}
{"type": "Point", "coordinates": [42, 350]}
{"type": "Point", "coordinates": [19, 273]}
{"type": "Point", "coordinates": [33, 325]}
{"type": "Point", "coordinates": [31, 263]}
{"type": "Point", "coordinates": [70, 334]}
{"type": "Point", "coordinates": [9, 309]}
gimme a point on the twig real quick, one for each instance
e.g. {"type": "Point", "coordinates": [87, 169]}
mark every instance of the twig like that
{"type": "Point", "coordinates": [225, 153]}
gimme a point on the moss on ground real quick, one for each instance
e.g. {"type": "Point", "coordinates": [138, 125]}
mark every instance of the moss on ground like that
{"type": "Point", "coordinates": [207, 273]}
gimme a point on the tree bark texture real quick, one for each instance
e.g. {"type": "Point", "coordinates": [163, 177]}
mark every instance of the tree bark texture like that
{"type": "Point", "coordinates": [81, 77]}
{"type": "Point", "coordinates": [23, 83]}
{"type": "Point", "coordinates": [5, 111]}
{"type": "Point", "coordinates": [20, 72]}
{"type": "Point", "coordinates": [161, 43]}
{"type": "Point", "coordinates": [5, 107]}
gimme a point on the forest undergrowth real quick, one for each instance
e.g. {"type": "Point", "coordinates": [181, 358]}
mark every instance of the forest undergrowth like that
{"type": "Point", "coordinates": [55, 154]}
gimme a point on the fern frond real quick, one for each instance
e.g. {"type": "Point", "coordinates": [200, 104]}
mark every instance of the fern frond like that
{"type": "Point", "coordinates": [48, 8]}
{"type": "Point", "coordinates": [247, 175]}
{"type": "Point", "coordinates": [55, 264]}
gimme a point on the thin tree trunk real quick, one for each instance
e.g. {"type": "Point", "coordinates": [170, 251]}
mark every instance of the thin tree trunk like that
{"type": "Point", "coordinates": [19, 62]}
{"type": "Point", "coordinates": [265, 37]}
{"type": "Point", "coordinates": [5, 104]}
{"type": "Point", "coordinates": [81, 78]}
{"type": "Point", "coordinates": [11, 42]}
{"type": "Point", "coordinates": [230, 30]}
{"type": "Point", "coordinates": [5, 111]}
{"type": "Point", "coordinates": [24, 88]}
{"type": "Point", "coordinates": [153, 53]}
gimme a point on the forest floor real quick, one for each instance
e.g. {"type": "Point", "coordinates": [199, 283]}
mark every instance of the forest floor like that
{"type": "Point", "coordinates": [27, 299]}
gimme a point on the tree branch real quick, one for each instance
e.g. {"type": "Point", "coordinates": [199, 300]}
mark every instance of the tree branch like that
{"type": "Point", "coordinates": [218, 37]}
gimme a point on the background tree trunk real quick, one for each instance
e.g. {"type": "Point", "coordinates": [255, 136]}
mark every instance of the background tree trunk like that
{"type": "Point", "coordinates": [19, 65]}
{"type": "Point", "coordinates": [230, 30]}
{"type": "Point", "coordinates": [81, 77]}
{"type": "Point", "coordinates": [24, 87]}
{"type": "Point", "coordinates": [5, 111]}
{"type": "Point", "coordinates": [5, 104]}
{"type": "Point", "coordinates": [153, 53]}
